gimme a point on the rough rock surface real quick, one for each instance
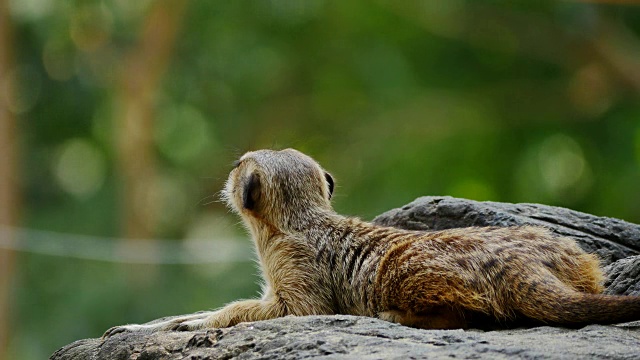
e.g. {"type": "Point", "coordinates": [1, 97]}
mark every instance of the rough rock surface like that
{"type": "Point", "coordinates": [623, 277]}
{"type": "Point", "coordinates": [350, 337]}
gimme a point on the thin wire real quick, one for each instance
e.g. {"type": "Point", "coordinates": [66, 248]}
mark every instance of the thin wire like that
{"type": "Point", "coordinates": [115, 250]}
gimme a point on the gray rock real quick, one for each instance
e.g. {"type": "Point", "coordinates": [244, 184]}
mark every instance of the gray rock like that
{"type": "Point", "coordinates": [623, 277]}
{"type": "Point", "coordinates": [351, 337]}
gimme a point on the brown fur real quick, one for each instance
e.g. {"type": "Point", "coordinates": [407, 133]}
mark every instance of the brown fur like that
{"type": "Point", "coordinates": [315, 261]}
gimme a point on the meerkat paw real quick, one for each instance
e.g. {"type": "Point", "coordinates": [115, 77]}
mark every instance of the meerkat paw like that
{"type": "Point", "coordinates": [184, 323]}
{"type": "Point", "coordinates": [191, 325]}
{"type": "Point", "coordinates": [128, 328]}
{"type": "Point", "coordinates": [207, 320]}
{"type": "Point", "coordinates": [199, 321]}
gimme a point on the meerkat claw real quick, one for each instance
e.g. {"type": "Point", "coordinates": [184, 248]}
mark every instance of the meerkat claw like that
{"type": "Point", "coordinates": [182, 327]}
{"type": "Point", "coordinates": [130, 328]}
{"type": "Point", "coordinates": [191, 325]}
{"type": "Point", "coordinates": [113, 331]}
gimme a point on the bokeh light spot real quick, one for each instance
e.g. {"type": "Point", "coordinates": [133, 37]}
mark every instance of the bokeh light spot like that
{"type": "Point", "coordinates": [590, 91]}
{"type": "Point", "coordinates": [182, 134]}
{"type": "Point", "coordinates": [20, 89]}
{"type": "Point", "coordinates": [167, 194]}
{"type": "Point", "coordinates": [562, 164]}
{"type": "Point", "coordinates": [213, 233]}
{"type": "Point", "coordinates": [30, 10]}
{"type": "Point", "coordinates": [91, 27]}
{"type": "Point", "coordinates": [80, 168]}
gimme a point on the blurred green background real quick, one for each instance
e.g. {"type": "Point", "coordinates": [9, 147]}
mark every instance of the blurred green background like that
{"type": "Point", "coordinates": [120, 119]}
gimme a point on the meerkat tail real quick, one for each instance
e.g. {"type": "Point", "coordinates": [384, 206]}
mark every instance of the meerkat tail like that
{"type": "Point", "coordinates": [562, 306]}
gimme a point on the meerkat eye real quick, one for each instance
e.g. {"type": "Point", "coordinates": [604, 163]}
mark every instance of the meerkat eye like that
{"type": "Point", "coordinates": [330, 182]}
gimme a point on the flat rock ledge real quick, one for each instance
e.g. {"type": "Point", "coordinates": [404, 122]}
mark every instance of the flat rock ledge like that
{"type": "Point", "coordinates": [351, 337]}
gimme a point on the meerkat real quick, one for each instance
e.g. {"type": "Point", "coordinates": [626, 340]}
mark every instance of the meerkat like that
{"type": "Point", "coordinates": [317, 262]}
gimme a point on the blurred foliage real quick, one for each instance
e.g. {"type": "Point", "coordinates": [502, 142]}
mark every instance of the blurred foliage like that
{"type": "Point", "coordinates": [530, 102]}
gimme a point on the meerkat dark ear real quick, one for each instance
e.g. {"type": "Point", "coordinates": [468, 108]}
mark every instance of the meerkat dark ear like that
{"type": "Point", "coordinates": [330, 183]}
{"type": "Point", "coordinates": [251, 192]}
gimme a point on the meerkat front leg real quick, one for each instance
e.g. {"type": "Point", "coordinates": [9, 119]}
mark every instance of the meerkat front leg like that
{"type": "Point", "coordinates": [237, 312]}
{"type": "Point", "coordinates": [166, 325]}
{"type": "Point", "coordinates": [231, 314]}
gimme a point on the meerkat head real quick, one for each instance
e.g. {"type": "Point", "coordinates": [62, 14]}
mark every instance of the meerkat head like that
{"type": "Point", "coordinates": [279, 188]}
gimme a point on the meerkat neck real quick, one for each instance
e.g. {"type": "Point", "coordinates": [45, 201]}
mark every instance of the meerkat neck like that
{"type": "Point", "coordinates": [312, 219]}
{"type": "Point", "coordinates": [312, 225]}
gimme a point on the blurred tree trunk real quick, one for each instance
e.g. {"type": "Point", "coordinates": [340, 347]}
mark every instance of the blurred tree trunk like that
{"type": "Point", "coordinates": [143, 69]}
{"type": "Point", "coordinates": [9, 188]}
{"type": "Point", "coordinates": [135, 100]}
